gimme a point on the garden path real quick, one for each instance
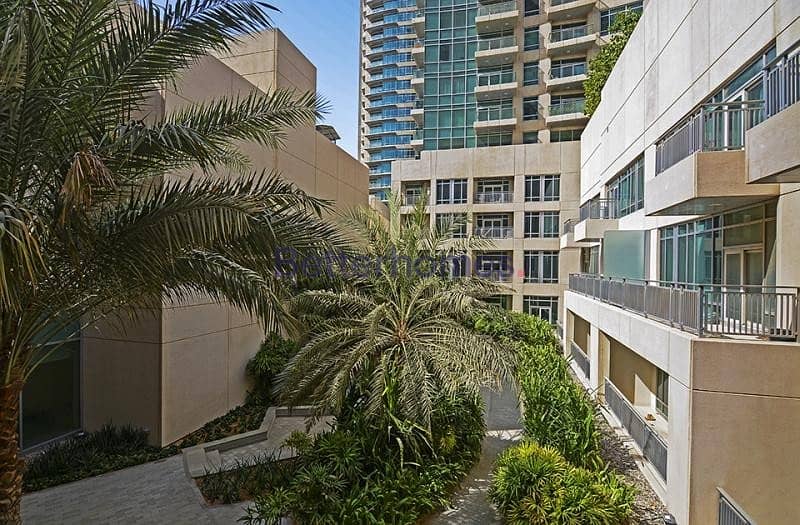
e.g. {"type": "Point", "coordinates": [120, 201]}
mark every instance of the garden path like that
{"type": "Point", "coordinates": [157, 492]}
{"type": "Point", "coordinates": [470, 504]}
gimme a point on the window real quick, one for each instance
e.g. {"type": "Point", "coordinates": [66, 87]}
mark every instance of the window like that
{"type": "Point", "coordinates": [545, 308]}
{"type": "Point", "coordinates": [542, 188]}
{"type": "Point", "coordinates": [456, 223]}
{"type": "Point", "coordinates": [495, 226]}
{"type": "Point", "coordinates": [565, 135]}
{"type": "Point", "coordinates": [495, 266]}
{"type": "Point", "coordinates": [568, 68]}
{"type": "Point", "coordinates": [532, 7]}
{"type": "Point", "coordinates": [530, 137]}
{"type": "Point", "coordinates": [501, 138]}
{"type": "Point", "coordinates": [531, 73]}
{"type": "Point", "coordinates": [627, 189]}
{"type": "Point", "coordinates": [451, 191]}
{"type": "Point", "coordinates": [530, 108]}
{"type": "Point", "coordinates": [662, 393]}
{"type": "Point", "coordinates": [541, 224]}
{"type": "Point", "coordinates": [607, 16]}
{"type": "Point", "coordinates": [531, 38]}
{"type": "Point", "coordinates": [541, 267]}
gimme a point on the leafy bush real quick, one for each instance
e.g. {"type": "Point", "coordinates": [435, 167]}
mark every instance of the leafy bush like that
{"type": "Point", "coordinates": [533, 484]}
{"type": "Point", "coordinates": [354, 475]}
{"type": "Point", "coordinates": [601, 65]}
{"type": "Point", "coordinates": [91, 454]}
{"type": "Point", "coordinates": [515, 327]}
{"type": "Point", "coordinates": [241, 419]}
{"type": "Point", "coordinates": [270, 359]}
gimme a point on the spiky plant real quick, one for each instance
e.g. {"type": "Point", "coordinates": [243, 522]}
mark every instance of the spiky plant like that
{"type": "Point", "coordinates": [390, 342]}
{"type": "Point", "coordinates": [90, 218]}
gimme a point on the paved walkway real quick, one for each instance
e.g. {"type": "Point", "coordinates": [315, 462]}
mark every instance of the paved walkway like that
{"type": "Point", "coordinates": [470, 504]}
{"type": "Point", "coordinates": [156, 492]}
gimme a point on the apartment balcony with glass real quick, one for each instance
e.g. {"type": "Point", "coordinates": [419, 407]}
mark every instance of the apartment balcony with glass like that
{"type": "Point", "coordinates": [418, 140]}
{"type": "Point", "coordinates": [418, 53]}
{"type": "Point", "coordinates": [558, 10]}
{"type": "Point", "coordinates": [494, 191]}
{"type": "Point", "coordinates": [701, 164]}
{"type": "Point", "coordinates": [496, 51]}
{"type": "Point", "coordinates": [418, 83]}
{"type": "Point", "coordinates": [415, 192]}
{"type": "Point", "coordinates": [494, 266]}
{"type": "Point", "coordinates": [566, 74]}
{"type": "Point", "coordinates": [494, 225]}
{"type": "Point", "coordinates": [566, 110]}
{"type": "Point", "coordinates": [493, 18]}
{"type": "Point", "coordinates": [496, 85]}
{"type": "Point", "coordinates": [495, 118]}
{"type": "Point", "coordinates": [571, 39]}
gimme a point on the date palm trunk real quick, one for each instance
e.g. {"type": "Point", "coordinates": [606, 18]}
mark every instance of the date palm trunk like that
{"type": "Point", "coordinates": [11, 464]}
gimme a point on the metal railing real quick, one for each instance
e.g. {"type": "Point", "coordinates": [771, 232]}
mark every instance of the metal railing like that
{"type": "Point", "coordinates": [493, 9]}
{"type": "Point", "coordinates": [562, 34]}
{"type": "Point", "coordinates": [730, 513]}
{"type": "Point", "coordinates": [411, 199]}
{"type": "Point", "coordinates": [497, 276]}
{"type": "Point", "coordinates": [580, 358]}
{"type": "Point", "coordinates": [716, 127]}
{"type": "Point", "coordinates": [494, 232]}
{"type": "Point", "coordinates": [485, 114]}
{"type": "Point", "coordinates": [782, 84]}
{"type": "Point", "coordinates": [496, 79]}
{"type": "Point", "coordinates": [493, 197]}
{"type": "Point", "coordinates": [706, 310]}
{"type": "Point", "coordinates": [568, 70]}
{"type": "Point", "coordinates": [653, 447]}
{"type": "Point", "coordinates": [600, 209]}
{"type": "Point", "coordinates": [497, 43]}
{"type": "Point", "coordinates": [569, 227]}
{"type": "Point", "coordinates": [568, 108]}
{"type": "Point", "coordinates": [556, 3]}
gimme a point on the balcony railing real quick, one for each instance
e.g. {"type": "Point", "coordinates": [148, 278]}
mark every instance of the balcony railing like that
{"type": "Point", "coordinates": [497, 43]}
{"type": "Point", "coordinates": [412, 199]}
{"type": "Point", "coordinates": [600, 209]}
{"type": "Point", "coordinates": [486, 114]}
{"type": "Point", "coordinates": [561, 34]}
{"type": "Point", "coordinates": [561, 2]}
{"type": "Point", "coordinates": [569, 227]}
{"type": "Point", "coordinates": [496, 79]}
{"type": "Point", "coordinates": [493, 9]}
{"type": "Point", "coordinates": [568, 70]}
{"type": "Point", "coordinates": [497, 276]}
{"type": "Point", "coordinates": [580, 358]}
{"type": "Point", "coordinates": [653, 447]}
{"type": "Point", "coordinates": [716, 127]}
{"type": "Point", "coordinates": [705, 310]}
{"type": "Point", "coordinates": [568, 108]}
{"type": "Point", "coordinates": [730, 513]}
{"type": "Point", "coordinates": [493, 197]}
{"type": "Point", "coordinates": [782, 83]}
{"type": "Point", "coordinates": [494, 232]}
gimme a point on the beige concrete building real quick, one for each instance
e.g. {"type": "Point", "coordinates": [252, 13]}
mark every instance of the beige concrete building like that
{"type": "Point", "coordinates": [499, 112]}
{"type": "Point", "coordinates": [684, 322]}
{"type": "Point", "coordinates": [180, 366]}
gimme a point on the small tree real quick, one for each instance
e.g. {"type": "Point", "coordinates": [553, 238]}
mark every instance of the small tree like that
{"type": "Point", "coordinates": [600, 67]}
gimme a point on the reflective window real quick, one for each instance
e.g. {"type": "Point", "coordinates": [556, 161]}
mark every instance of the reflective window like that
{"type": "Point", "coordinates": [451, 191]}
{"type": "Point", "coordinates": [541, 267]}
{"type": "Point", "coordinates": [545, 308]}
{"type": "Point", "coordinates": [542, 188]}
{"type": "Point", "coordinates": [541, 224]}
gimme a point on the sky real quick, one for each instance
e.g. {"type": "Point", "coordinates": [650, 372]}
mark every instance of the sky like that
{"type": "Point", "coordinates": [327, 32]}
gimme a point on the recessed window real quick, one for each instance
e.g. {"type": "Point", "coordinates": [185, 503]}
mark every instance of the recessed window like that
{"type": "Point", "coordinates": [542, 188]}
{"type": "Point", "coordinates": [662, 393]}
{"type": "Point", "coordinates": [451, 191]}
{"type": "Point", "coordinates": [541, 267]}
{"type": "Point", "coordinates": [530, 108]}
{"type": "Point", "coordinates": [565, 135]}
{"type": "Point", "coordinates": [530, 137]}
{"type": "Point", "coordinates": [541, 224]}
{"type": "Point", "coordinates": [531, 74]}
{"type": "Point", "coordinates": [455, 223]}
{"type": "Point", "coordinates": [532, 7]}
{"type": "Point", "coordinates": [531, 38]}
{"type": "Point", "coordinates": [545, 308]}
{"type": "Point", "coordinates": [608, 16]}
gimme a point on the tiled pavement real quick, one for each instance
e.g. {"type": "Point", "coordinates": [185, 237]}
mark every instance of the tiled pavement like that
{"type": "Point", "coordinates": [152, 493]}
{"type": "Point", "coordinates": [470, 505]}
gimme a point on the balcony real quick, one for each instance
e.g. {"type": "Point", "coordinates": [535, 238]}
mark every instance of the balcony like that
{"type": "Point", "coordinates": [568, 236]}
{"type": "Point", "coordinates": [418, 53]}
{"type": "Point", "coordinates": [559, 10]}
{"type": "Point", "coordinates": [418, 112]}
{"type": "Point", "coordinates": [567, 113]}
{"type": "Point", "coordinates": [571, 40]}
{"type": "Point", "coordinates": [772, 152]}
{"type": "Point", "coordinates": [701, 164]}
{"type": "Point", "coordinates": [494, 18]}
{"type": "Point", "coordinates": [761, 312]}
{"type": "Point", "coordinates": [566, 77]}
{"type": "Point", "coordinates": [596, 217]}
{"type": "Point", "coordinates": [494, 232]}
{"type": "Point", "coordinates": [419, 23]}
{"type": "Point", "coordinates": [495, 118]}
{"type": "Point", "coordinates": [412, 199]}
{"type": "Point", "coordinates": [496, 51]}
{"type": "Point", "coordinates": [494, 197]}
{"type": "Point", "coordinates": [496, 86]}
{"type": "Point", "coordinates": [580, 359]}
{"type": "Point", "coordinates": [417, 140]}
{"type": "Point", "coordinates": [418, 82]}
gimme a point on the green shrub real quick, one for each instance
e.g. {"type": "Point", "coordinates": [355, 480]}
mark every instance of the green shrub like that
{"type": "Point", "coordinates": [270, 359]}
{"type": "Point", "coordinates": [243, 418]}
{"type": "Point", "coordinates": [515, 327]}
{"type": "Point", "coordinates": [110, 448]}
{"type": "Point", "coordinates": [533, 484]}
{"type": "Point", "coordinates": [353, 475]}
{"type": "Point", "coordinates": [558, 412]}
{"type": "Point", "coordinates": [600, 66]}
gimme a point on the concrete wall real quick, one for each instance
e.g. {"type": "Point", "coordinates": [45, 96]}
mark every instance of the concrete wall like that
{"type": "Point", "coordinates": [633, 375]}
{"type": "Point", "coordinates": [187, 366]}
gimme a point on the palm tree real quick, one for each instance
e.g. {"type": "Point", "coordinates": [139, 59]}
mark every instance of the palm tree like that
{"type": "Point", "coordinates": [91, 221]}
{"type": "Point", "coordinates": [393, 340]}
